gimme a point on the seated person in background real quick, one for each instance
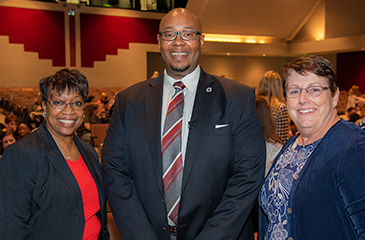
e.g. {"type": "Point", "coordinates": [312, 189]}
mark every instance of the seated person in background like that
{"type": "Point", "coordinates": [348, 113]}
{"type": "Point", "coordinates": [103, 98]}
{"type": "Point", "coordinates": [354, 117]}
{"type": "Point", "coordinates": [94, 114]}
{"type": "Point", "coordinates": [6, 139]}
{"type": "Point", "coordinates": [90, 99]}
{"type": "Point", "coordinates": [360, 122]}
{"type": "Point", "coordinates": [109, 107]}
{"type": "Point", "coordinates": [36, 114]}
{"type": "Point", "coordinates": [23, 128]}
{"type": "Point", "coordinates": [352, 98]}
{"type": "Point", "coordinates": [10, 123]}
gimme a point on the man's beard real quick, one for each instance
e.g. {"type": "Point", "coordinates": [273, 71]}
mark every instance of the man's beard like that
{"type": "Point", "coordinates": [182, 69]}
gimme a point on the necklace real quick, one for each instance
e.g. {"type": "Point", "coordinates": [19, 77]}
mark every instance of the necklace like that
{"type": "Point", "coordinates": [63, 151]}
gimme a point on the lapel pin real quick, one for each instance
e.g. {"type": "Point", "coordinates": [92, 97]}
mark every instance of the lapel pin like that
{"type": "Point", "coordinates": [209, 89]}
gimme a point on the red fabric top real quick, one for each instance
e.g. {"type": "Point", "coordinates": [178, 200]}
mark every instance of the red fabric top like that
{"type": "Point", "coordinates": [90, 198]}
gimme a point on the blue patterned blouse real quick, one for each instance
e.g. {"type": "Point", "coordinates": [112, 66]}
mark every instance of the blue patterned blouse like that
{"type": "Point", "coordinates": [274, 195]}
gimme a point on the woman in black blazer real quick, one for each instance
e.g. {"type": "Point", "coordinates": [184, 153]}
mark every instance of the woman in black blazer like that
{"type": "Point", "coordinates": [50, 181]}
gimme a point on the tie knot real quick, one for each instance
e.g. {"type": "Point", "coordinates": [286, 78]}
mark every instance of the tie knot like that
{"type": "Point", "coordinates": [179, 85]}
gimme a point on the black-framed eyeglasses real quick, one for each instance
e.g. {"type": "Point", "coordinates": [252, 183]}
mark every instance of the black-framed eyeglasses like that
{"type": "Point", "coordinates": [60, 105]}
{"type": "Point", "coordinates": [313, 91]}
{"type": "Point", "coordinates": [187, 35]}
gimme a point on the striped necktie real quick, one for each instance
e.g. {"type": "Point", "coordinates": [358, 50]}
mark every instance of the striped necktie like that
{"type": "Point", "coordinates": [171, 152]}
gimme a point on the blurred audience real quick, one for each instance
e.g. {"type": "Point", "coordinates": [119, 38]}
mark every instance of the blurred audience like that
{"type": "Point", "coordinates": [36, 115]}
{"type": "Point", "coordinates": [90, 99]}
{"type": "Point", "coordinates": [348, 113]}
{"type": "Point", "coordinates": [103, 98]}
{"type": "Point", "coordinates": [94, 114]}
{"type": "Point", "coordinates": [354, 117]}
{"type": "Point", "coordinates": [353, 93]}
{"type": "Point", "coordinates": [270, 87]}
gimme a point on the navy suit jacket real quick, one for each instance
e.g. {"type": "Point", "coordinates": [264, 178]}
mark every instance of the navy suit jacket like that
{"type": "Point", "coordinates": [223, 167]}
{"type": "Point", "coordinates": [40, 197]}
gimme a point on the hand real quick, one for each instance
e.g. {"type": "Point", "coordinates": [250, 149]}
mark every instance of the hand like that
{"type": "Point", "coordinates": [100, 113]}
{"type": "Point", "coordinates": [359, 100]}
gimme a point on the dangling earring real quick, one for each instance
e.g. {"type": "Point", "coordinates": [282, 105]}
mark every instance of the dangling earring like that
{"type": "Point", "coordinates": [44, 114]}
{"type": "Point", "coordinates": [83, 116]}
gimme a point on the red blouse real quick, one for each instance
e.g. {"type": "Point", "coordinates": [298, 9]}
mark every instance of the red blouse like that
{"type": "Point", "coordinates": [90, 198]}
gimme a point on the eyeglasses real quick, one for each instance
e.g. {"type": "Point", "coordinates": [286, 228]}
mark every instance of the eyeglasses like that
{"type": "Point", "coordinates": [313, 91]}
{"type": "Point", "coordinates": [60, 105]}
{"type": "Point", "coordinates": [187, 35]}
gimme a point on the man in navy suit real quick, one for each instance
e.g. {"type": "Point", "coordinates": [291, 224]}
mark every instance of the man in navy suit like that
{"type": "Point", "coordinates": [222, 147]}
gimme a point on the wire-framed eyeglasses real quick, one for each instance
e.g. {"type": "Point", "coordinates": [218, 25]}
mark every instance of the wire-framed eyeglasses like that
{"type": "Point", "coordinates": [60, 105]}
{"type": "Point", "coordinates": [187, 35]}
{"type": "Point", "coordinates": [313, 91]}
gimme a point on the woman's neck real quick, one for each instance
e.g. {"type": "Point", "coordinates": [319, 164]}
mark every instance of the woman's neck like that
{"type": "Point", "coordinates": [308, 138]}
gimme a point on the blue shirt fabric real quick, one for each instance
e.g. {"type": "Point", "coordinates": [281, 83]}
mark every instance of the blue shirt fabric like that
{"type": "Point", "coordinates": [274, 195]}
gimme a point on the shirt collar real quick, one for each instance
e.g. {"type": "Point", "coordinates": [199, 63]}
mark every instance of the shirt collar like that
{"type": "Point", "coordinates": [190, 81]}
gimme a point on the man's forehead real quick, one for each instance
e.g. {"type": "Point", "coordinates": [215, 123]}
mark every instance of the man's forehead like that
{"type": "Point", "coordinates": [183, 27]}
{"type": "Point", "coordinates": [178, 25]}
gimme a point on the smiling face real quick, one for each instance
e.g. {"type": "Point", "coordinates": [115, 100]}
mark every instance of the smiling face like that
{"type": "Point", "coordinates": [181, 57]}
{"type": "Point", "coordinates": [63, 123]}
{"type": "Point", "coordinates": [23, 130]}
{"type": "Point", "coordinates": [313, 116]}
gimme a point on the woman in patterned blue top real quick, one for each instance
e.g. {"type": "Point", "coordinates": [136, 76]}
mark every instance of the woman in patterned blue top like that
{"type": "Point", "coordinates": [314, 189]}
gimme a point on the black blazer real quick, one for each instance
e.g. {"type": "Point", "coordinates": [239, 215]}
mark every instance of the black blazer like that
{"type": "Point", "coordinates": [40, 197]}
{"type": "Point", "coordinates": [223, 169]}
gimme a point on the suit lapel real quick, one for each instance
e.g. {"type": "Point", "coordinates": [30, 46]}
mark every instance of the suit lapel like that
{"type": "Point", "coordinates": [55, 157]}
{"type": "Point", "coordinates": [201, 111]}
{"type": "Point", "coordinates": [153, 100]}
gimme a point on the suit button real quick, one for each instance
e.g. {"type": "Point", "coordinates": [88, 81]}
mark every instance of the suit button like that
{"type": "Point", "coordinates": [290, 238]}
{"type": "Point", "coordinates": [296, 177]}
{"type": "Point", "coordinates": [289, 210]}
{"type": "Point", "coordinates": [163, 228]}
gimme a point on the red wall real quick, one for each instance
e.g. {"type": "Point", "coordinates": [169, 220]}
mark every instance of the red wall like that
{"type": "Point", "coordinates": [351, 70]}
{"type": "Point", "coordinates": [101, 35]}
{"type": "Point", "coordinates": [39, 30]}
{"type": "Point", "coordinates": [43, 31]}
